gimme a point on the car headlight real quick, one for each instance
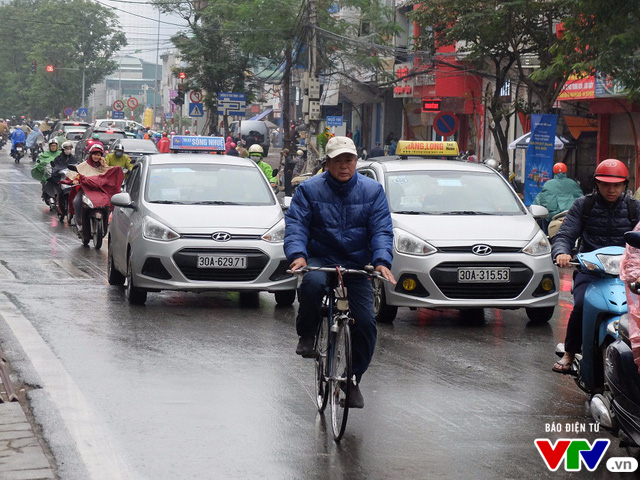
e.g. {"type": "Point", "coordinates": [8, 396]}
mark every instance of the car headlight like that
{"type": "Point", "coordinates": [538, 246]}
{"type": "Point", "coordinates": [276, 233]}
{"type": "Point", "coordinates": [155, 230]}
{"type": "Point", "coordinates": [408, 243]}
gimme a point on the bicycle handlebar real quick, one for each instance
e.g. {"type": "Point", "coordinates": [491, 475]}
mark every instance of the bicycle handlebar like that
{"type": "Point", "coordinates": [343, 271]}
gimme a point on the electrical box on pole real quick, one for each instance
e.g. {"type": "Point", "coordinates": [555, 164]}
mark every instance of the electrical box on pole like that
{"type": "Point", "coordinates": [314, 89]}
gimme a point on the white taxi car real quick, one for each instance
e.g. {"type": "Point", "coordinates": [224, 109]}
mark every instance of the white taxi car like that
{"type": "Point", "coordinates": [462, 237]}
{"type": "Point", "coordinates": [197, 222]}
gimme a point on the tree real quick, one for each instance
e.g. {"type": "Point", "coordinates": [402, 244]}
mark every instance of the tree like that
{"type": "Point", "coordinates": [494, 38]}
{"type": "Point", "coordinates": [72, 35]}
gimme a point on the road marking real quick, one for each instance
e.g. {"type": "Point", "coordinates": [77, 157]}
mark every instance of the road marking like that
{"type": "Point", "coordinates": [4, 182]}
{"type": "Point", "coordinates": [92, 442]}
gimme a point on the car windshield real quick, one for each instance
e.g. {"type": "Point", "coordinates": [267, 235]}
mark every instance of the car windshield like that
{"type": "Point", "coordinates": [135, 145]}
{"type": "Point", "coordinates": [450, 193]}
{"type": "Point", "coordinates": [206, 184]}
{"type": "Point", "coordinates": [105, 138]}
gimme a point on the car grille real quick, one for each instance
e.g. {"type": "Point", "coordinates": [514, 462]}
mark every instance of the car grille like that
{"type": "Point", "coordinates": [187, 259]}
{"type": "Point", "coordinates": [445, 276]}
{"type": "Point", "coordinates": [467, 249]}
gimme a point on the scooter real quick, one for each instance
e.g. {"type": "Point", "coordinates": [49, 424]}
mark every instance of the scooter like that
{"type": "Point", "coordinates": [36, 151]}
{"type": "Point", "coordinates": [556, 223]}
{"type": "Point", "coordinates": [605, 302]}
{"type": "Point", "coordinates": [617, 408]}
{"type": "Point", "coordinates": [55, 193]}
{"type": "Point", "coordinates": [95, 211]}
{"type": "Point", "coordinates": [19, 152]}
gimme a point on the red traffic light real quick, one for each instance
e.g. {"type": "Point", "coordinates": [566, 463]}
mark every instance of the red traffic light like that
{"type": "Point", "coordinates": [182, 75]}
{"type": "Point", "coordinates": [50, 68]}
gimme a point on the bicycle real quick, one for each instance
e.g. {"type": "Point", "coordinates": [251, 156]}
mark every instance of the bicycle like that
{"type": "Point", "coordinates": [333, 373]}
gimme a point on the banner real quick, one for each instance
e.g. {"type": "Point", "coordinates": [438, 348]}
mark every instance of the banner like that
{"type": "Point", "coordinates": [539, 157]}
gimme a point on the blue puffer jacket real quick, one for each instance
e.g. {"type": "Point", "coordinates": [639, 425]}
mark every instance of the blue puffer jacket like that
{"type": "Point", "coordinates": [605, 226]}
{"type": "Point", "coordinates": [344, 224]}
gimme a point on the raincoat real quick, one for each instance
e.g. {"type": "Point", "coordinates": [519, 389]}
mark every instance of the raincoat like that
{"type": "Point", "coordinates": [268, 172]}
{"type": "Point", "coordinates": [18, 136]}
{"type": "Point", "coordinates": [630, 272]}
{"type": "Point", "coordinates": [45, 158]}
{"type": "Point", "coordinates": [558, 194]}
{"type": "Point", "coordinates": [33, 138]}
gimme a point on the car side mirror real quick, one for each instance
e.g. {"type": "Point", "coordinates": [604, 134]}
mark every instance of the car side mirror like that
{"type": "Point", "coordinates": [122, 199]}
{"type": "Point", "coordinates": [286, 202]}
{"type": "Point", "coordinates": [538, 211]}
{"type": "Point", "coordinates": [632, 239]}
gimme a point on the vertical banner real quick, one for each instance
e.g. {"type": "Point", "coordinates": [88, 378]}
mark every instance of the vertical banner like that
{"type": "Point", "coordinates": [539, 157]}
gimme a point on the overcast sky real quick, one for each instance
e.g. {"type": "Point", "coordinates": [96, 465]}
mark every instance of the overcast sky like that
{"type": "Point", "coordinates": [139, 20]}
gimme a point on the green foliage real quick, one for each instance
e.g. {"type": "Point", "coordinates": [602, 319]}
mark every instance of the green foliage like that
{"type": "Point", "coordinates": [68, 34]}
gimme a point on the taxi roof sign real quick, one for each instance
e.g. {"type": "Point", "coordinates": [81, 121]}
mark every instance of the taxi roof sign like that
{"type": "Point", "coordinates": [427, 149]}
{"type": "Point", "coordinates": [189, 143]}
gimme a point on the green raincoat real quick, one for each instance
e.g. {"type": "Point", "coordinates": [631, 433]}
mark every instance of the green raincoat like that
{"type": "Point", "coordinates": [45, 158]}
{"type": "Point", "coordinates": [558, 194]}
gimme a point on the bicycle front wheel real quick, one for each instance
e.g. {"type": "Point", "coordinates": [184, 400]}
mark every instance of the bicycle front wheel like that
{"type": "Point", "coordinates": [322, 350]}
{"type": "Point", "coordinates": [340, 381]}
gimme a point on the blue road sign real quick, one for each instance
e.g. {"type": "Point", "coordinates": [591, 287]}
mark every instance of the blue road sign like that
{"type": "Point", "coordinates": [83, 112]}
{"type": "Point", "coordinates": [231, 103]}
{"type": "Point", "coordinates": [168, 115]}
{"type": "Point", "coordinates": [196, 110]}
{"type": "Point", "coordinates": [115, 114]}
{"type": "Point", "coordinates": [445, 124]}
{"type": "Point", "coordinates": [334, 121]}
{"type": "Point", "coordinates": [68, 111]}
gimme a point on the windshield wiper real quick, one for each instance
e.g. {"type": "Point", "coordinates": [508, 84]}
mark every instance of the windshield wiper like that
{"type": "Point", "coordinates": [412, 212]}
{"type": "Point", "coordinates": [167, 202]}
{"type": "Point", "coordinates": [465, 212]}
{"type": "Point", "coordinates": [214, 202]}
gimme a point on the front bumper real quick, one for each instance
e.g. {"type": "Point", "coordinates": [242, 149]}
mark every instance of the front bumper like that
{"type": "Point", "coordinates": [437, 285]}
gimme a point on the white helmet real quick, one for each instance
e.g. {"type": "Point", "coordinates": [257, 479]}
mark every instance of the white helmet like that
{"type": "Point", "coordinates": [299, 153]}
{"type": "Point", "coordinates": [53, 140]}
{"type": "Point", "coordinates": [67, 144]}
{"type": "Point", "coordinates": [255, 148]}
{"type": "Point", "coordinates": [490, 162]}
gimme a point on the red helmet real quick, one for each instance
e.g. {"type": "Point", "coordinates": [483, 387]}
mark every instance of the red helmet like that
{"type": "Point", "coordinates": [612, 171]}
{"type": "Point", "coordinates": [559, 168]}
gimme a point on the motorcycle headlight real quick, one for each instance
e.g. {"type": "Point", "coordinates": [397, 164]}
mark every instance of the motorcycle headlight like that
{"type": "Point", "coordinates": [539, 245]}
{"type": "Point", "coordinates": [408, 243]}
{"type": "Point", "coordinates": [155, 230]}
{"type": "Point", "coordinates": [610, 263]}
{"type": "Point", "coordinates": [276, 233]}
{"type": "Point", "coordinates": [87, 201]}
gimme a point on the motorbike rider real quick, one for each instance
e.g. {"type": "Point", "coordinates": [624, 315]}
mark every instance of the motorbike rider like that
{"type": "Point", "coordinates": [598, 220]}
{"type": "Point", "coordinates": [39, 171]}
{"type": "Point", "coordinates": [67, 154]}
{"type": "Point", "coordinates": [95, 140]}
{"type": "Point", "coordinates": [164, 143]}
{"type": "Point", "coordinates": [320, 231]}
{"type": "Point", "coordinates": [118, 158]}
{"type": "Point", "coordinates": [95, 164]}
{"type": "Point", "coordinates": [256, 153]}
{"type": "Point", "coordinates": [4, 130]}
{"type": "Point", "coordinates": [17, 136]}
{"type": "Point", "coordinates": [34, 137]}
{"type": "Point", "coordinates": [559, 193]}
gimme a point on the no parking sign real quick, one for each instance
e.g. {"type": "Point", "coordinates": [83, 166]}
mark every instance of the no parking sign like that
{"type": "Point", "coordinates": [446, 124]}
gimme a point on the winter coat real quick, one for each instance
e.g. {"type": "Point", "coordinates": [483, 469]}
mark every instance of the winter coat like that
{"type": "Point", "coordinates": [346, 224]}
{"type": "Point", "coordinates": [123, 161]}
{"type": "Point", "coordinates": [558, 194]}
{"type": "Point", "coordinates": [164, 145]}
{"type": "Point", "coordinates": [605, 226]}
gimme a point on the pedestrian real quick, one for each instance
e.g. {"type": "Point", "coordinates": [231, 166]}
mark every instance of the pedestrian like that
{"type": "Point", "coordinates": [164, 144]}
{"type": "Point", "coordinates": [377, 151]}
{"type": "Point", "coordinates": [232, 150]}
{"type": "Point", "coordinates": [299, 161]}
{"type": "Point", "coordinates": [323, 230]}
{"type": "Point", "coordinates": [287, 164]}
{"type": "Point", "coordinates": [392, 147]}
{"type": "Point", "coordinates": [596, 220]}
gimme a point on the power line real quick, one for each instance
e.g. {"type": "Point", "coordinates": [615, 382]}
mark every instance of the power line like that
{"type": "Point", "coordinates": [139, 16]}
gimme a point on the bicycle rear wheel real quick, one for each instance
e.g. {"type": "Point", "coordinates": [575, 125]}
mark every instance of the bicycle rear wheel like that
{"type": "Point", "coordinates": [322, 350]}
{"type": "Point", "coordinates": [340, 380]}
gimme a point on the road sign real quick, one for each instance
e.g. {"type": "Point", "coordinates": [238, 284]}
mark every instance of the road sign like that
{"type": "Point", "coordinates": [168, 115]}
{"type": "Point", "coordinates": [196, 96]}
{"type": "Point", "coordinates": [83, 112]}
{"type": "Point", "coordinates": [334, 121]}
{"type": "Point", "coordinates": [196, 110]}
{"type": "Point", "coordinates": [68, 111]}
{"type": "Point", "coordinates": [230, 103]}
{"type": "Point", "coordinates": [132, 103]}
{"type": "Point", "coordinates": [445, 124]}
{"type": "Point", "coordinates": [116, 114]}
{"type": "Point", "coordinates": [118, 105]}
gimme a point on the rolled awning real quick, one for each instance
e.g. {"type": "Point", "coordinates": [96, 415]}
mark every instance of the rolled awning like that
{"type": "Point", "coordinates": [261, 115]}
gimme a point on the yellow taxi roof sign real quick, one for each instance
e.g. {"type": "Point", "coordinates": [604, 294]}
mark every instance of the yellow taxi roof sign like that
{"type": "Point", "coordinates": [425, 149]}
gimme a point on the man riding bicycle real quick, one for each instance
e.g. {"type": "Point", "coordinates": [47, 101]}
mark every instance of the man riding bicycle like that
{"type": "Point", "coordinates": [339, 218]}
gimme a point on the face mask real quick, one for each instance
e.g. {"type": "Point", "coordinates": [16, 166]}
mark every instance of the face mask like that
{"type": "Point", "coordinates": [118, 154]}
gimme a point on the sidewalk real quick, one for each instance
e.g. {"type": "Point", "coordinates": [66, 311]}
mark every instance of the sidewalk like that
{"type": "Point", "coordinates": [22, 456]}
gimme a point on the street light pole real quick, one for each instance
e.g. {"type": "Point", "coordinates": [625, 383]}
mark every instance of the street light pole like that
{"type": "Point", "coordinates": [83, 80]}
{"type": "Point", "coordinates": [155, 78]}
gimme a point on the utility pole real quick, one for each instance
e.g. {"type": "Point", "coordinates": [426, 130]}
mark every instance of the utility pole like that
{"type": "Point", "coordinates": [312, 118]}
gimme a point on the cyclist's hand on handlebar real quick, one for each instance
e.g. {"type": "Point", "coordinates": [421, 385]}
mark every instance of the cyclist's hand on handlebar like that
{"type": "Point", "coordinates": [386, 273]}
{"type": "Point", "coordinates": [563, 260]}
{"type": "Point", "coordinates": [297, 264]}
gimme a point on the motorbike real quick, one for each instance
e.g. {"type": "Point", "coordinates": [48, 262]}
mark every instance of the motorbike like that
{"type": "Point", "coordinates": [3, 140]}
{"type": "Point", "coordinates": [36, 151]}
{"type": "Point", "coordinates": [556, 223]}
{"type": "Point", "coordinates": [617, 408]}
{"type": "Point", "coordinates": [19, 152]}
{"type": "Point", "coordinates": [605, 303]}
{"type": "Point", "coordinates": [56, 191]}
{"type": "Point", "coordinates": [95, 210]}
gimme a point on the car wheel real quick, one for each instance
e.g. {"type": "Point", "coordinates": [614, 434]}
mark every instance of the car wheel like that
{"type": "Point", "coordinates": [113, 275]}
{"type": "Point", "coordinates": [540, 315]}
{"type": "Point", "coordinates": [249, 299]}
{"type": "Point", "coordinates": [285, 298]}
{"type": "Point", "coordinates": [384, 313]}
{"type": "Point", "coordinates": [135, 295]}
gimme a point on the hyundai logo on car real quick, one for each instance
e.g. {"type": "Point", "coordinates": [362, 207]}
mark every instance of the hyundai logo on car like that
{"type": "Point", "coordinates": [221, 237]}
{"type": "Point", "coordinates": [481, 250]}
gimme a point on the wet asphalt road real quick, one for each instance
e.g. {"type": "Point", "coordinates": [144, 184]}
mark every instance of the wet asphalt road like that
{"type": "Point", "coordinates": [200, 387]}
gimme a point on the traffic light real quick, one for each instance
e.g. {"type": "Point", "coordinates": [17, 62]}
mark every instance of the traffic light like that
{"type": "Point", "coordinates": [182, 75]}
{"type": "Point", "coordinates": [179, 100]}
{"type": "Point", "coordinates": [50, 68]}
{"type": "Point", "coordinates": [34, 66]}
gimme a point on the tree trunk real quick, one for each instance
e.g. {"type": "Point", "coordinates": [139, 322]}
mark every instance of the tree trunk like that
{"type": "Point", "coordinates": [286, 99]}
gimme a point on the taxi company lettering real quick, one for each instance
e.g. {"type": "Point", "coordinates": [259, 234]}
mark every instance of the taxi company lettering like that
{"type": "Point", "coordinates": [432, 146]}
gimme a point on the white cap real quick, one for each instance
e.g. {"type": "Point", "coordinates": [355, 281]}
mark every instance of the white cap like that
{"type": "Point", "coordinates": [338, 145]}
{"type": "Point", "coordinates": [299, 153]}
